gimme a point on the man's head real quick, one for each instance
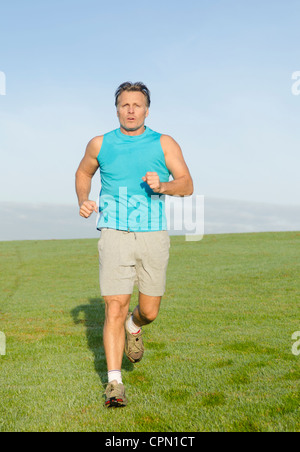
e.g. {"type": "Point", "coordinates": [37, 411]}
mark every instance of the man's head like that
{"type": "Point", "coordinates": [132, 102]}
{"type": "Point", "coordinates": [138, 87]}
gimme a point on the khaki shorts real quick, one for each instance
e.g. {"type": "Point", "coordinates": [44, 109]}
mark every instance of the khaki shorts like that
{"type": "Point", "coordinates": [129, 258]}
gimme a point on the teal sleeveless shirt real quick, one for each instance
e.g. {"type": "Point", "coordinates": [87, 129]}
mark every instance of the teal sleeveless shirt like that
{"type": "Point", "coordinates": [127, 203]}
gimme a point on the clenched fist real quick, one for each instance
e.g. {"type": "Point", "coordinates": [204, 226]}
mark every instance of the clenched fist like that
{"type": "Point", "coordinates": [153, 181]}
{"type": "Point", "coordinates": [87, 208]}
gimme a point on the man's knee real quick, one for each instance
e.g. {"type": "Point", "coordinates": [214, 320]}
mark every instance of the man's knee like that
{"type": "Point", "coordinates": [148, 308]}
{"type": "Point", "coordinates": [148, 315]}
{"type": "Point", "coordinates": [116, 308]}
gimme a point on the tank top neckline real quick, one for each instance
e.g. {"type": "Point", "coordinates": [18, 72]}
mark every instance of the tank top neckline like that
{"type": "Point", "coordinates": [133, 138]}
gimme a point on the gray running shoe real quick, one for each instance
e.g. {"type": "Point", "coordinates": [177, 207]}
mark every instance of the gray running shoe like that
{"type": "Point", "coordinates": [134, 346]}
{"type": "Point", "coordinates": [115, 395]}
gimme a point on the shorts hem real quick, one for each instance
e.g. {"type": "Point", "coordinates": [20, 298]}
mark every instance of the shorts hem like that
{"type": "Point", "coordinates": [116, 292]}
{"type": "Point", "coordinates": [148, 293]}
{"type": "Point", "coordinates": [152, 293]}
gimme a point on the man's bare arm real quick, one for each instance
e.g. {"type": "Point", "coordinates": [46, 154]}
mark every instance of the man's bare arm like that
{"type": "Point", "coordinates": [182, 185]}
{"type": "Point", "coordinates": [86, 170]}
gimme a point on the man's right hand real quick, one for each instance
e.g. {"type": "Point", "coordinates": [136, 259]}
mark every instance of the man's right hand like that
{"type": "Point", "coordinates": [87, 208]}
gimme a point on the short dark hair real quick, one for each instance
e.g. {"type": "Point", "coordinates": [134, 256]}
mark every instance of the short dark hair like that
{"type": "Point", "coordinates": [129, 86]}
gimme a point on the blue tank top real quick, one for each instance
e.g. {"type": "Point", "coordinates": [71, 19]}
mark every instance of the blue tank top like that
{"type": "Point", "coordinates": [127, 203]}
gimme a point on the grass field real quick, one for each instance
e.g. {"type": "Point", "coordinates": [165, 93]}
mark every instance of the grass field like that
{"type": "Point", "coordinates": [218, 358]}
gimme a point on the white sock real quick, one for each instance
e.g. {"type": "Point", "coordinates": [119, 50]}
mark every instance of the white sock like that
{"type": "Point", "coordinates": [114, 375]}
{"type": "Point", "coordinates": [131, 326]}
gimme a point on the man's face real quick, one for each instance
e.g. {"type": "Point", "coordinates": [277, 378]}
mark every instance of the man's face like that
{"type": "Point", "coordinates": [132, 110]}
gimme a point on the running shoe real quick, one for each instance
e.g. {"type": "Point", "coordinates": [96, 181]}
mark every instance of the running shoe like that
{"type": "Point", "coordinates": [134, 346]}
{"type": "Point", "coordinates": [115, 395]}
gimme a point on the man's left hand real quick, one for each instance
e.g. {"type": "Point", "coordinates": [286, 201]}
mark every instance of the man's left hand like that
{"type": "Point", "coordinates": [153, 181]}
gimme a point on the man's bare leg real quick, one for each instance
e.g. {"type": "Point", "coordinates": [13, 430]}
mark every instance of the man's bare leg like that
{"type": "Point", "coordinates": [116, 310]}
{"type": "Point", "coordinates": [147, 310]}
{"type": "Point", "coordinates": [145, 313]}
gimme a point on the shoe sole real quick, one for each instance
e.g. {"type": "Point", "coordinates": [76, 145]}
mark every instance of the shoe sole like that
{"type": "Point", "coordinates": [115, 403]}
{"type": "Point", "coordinates": [134, 361]}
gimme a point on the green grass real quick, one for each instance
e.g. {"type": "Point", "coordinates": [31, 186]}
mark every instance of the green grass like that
{"type": "Point", "coordinates": [218, 358]}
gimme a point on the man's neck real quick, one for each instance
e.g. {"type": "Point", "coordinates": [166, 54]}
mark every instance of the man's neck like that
{"type": "Point", "coordinates": [133, 132]}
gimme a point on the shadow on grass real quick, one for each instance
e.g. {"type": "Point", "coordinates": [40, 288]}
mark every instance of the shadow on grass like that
{"type": "Point", "coordinates": [94, 317]}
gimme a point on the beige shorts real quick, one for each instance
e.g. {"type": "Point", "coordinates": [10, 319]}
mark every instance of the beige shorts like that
{"type": "Point", "coordinates": [129, 258]}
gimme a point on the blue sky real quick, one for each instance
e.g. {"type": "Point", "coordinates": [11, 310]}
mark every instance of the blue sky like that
{"type": "Point", "coordinates": [220, 73]}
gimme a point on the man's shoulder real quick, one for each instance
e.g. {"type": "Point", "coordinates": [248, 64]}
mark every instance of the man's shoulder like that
{"type": "Point", "coordinates": [170, 147]}
{"type": "Point", "coordinates": [99, 138]}
{"type": "Point", "coordinates": [95, 145]}
{"type": "Point", "coordinates": [96, 140]}
{"type": "Point", "coordinates": [167, 141]}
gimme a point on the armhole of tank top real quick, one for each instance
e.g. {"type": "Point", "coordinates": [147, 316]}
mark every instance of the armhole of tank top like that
{"type": "Point", "coordinates": [170, 174]}
{"type": "Point", "coordinates": [98, 156]}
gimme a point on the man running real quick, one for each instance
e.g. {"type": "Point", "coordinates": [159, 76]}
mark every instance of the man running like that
{"type": "Point", "coordinates": [135, 167]}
